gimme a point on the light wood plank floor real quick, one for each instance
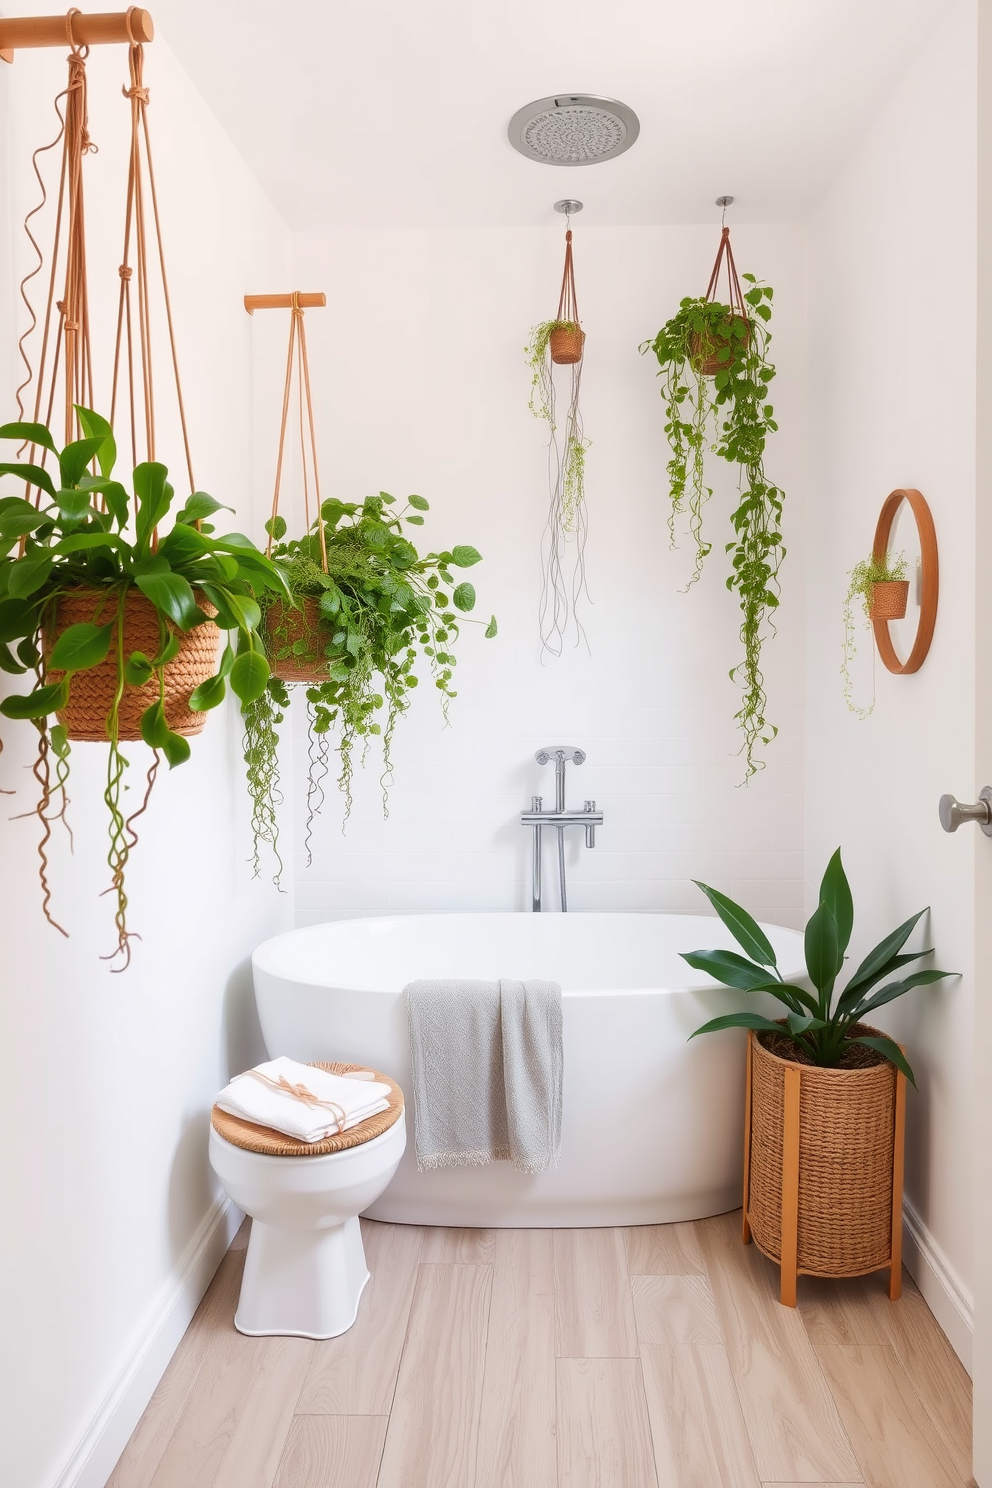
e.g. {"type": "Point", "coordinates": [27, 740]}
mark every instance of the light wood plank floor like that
{"type": "Point", "coordinates": [655, 1357]}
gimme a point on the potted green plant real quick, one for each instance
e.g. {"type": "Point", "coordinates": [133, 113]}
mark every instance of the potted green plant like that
{"type": "Point", "coordinates": [844, 1133]}
{"type": "Point", "coordinates": [352, 635]}
{"type": "Point", "coordinates": [716, 375]}
{"type": "Point", "coordinates": [880, 588]}
{"type": "Point", "coordinates": [119, 628]}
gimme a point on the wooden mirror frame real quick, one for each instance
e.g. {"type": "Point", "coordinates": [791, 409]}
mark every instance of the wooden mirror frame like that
{"type": "Point", "coordinates": [930, 579]}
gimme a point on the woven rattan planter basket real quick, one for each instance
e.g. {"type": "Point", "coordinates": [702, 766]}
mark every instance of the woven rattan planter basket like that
{"type": "Point", "coordinates": [889, 600]}
{"type": "Point", "coordinates": [566, 346]}
{"type": "Point", "coordinates": [284, 627]}
{"type": "Point", "coordinates": [92, 692]}
{"type": "Point", "coordinates": [722, 351]}
{"type": "Point", "coordinates": [823, 1166]}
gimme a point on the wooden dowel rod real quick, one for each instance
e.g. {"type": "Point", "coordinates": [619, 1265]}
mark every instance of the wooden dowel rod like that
{"type": "Point", "coordinates": [284, 302]}
{"type": "Point", "coordinates": [87, 30]}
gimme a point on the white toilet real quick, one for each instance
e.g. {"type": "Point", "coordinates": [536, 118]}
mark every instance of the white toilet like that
{"type": "Point", "coordinates": [305, 1269]}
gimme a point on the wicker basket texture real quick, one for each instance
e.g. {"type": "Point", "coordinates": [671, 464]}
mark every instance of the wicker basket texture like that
{"type": "Point", "coordinates": [846, 1137]}
{"type": "Point", "coordinates": [889, 600]}
{"type": "Point", "coordinates": [92, 692]}
{"type": "Point", "coordinates": [284, 626]}
{"type": "Point", "coordinates": [264, 1139]}
{"type": "Point", "coordinates": [720, 356]}
{"type": "Point", "coordinates": [566, 346]}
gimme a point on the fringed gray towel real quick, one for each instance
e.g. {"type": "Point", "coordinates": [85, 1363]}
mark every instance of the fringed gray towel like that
{"type": "Point", "coordinates": [487, 1073]}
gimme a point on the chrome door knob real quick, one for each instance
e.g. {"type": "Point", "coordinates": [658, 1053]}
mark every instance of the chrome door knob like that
{"type": "Point", "coordinates": [954, 812]}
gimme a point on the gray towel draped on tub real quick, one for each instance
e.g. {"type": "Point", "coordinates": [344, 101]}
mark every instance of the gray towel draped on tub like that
{"type": "Point", "coordinates": [487, 1073]}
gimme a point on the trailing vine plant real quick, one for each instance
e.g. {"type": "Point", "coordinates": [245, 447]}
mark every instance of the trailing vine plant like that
{"type": "Point", "coordinates": [861, 587]}
{"type": "Point", "coordinates": [716, 376]}
{"type": "Point", "coordinates": [77, 543]}
{"type": "Point", "coordinates": [560, 342]}
{"type": "Point", "coordinates": [356, 634]}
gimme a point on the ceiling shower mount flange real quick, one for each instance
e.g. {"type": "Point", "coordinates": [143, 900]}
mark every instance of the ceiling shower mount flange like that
{"type": "Point", "coordinates": [725, 201]}
{"type": "Point", "coordinates": [568, 206]}
{"type": "Point", "coordinates": [573, 129]}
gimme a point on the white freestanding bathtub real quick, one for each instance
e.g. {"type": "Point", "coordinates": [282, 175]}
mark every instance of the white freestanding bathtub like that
{"type": "Point", "coordinates": [652, 1125]}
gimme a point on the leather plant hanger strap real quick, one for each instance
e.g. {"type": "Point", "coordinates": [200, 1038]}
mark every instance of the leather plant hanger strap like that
{"type": "Point", "coordinates": [568, 308]}
{"type": "Point", "coordinates": [296, 356]}
{"type": "Point", "coordinates": [725, 257]}
{"type": "Point", "coordinates": [135, 222]}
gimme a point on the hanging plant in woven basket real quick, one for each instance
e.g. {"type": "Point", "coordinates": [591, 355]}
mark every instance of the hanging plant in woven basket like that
{"type": "Point", "coordinates": [118, 622]}
{"type": "Point", "coordinates": [561, 342]}
{"type": "Point", "coordinates": [363, 607]}
{"type": "Point", "coordinates": [715, 372]}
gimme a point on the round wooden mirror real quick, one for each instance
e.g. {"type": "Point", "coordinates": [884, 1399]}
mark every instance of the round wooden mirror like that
{"type": "Point", "coordinates": [928, 579]}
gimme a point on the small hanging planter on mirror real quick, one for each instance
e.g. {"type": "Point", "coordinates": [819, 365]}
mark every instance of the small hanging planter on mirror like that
{"type": "Point", "coordinates": [561, 343]}
{"type": "Point", "coordinates": [716, 375]}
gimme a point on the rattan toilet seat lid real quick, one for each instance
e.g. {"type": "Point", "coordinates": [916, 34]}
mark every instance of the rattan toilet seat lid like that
{"type": "Point", "coordinates": [252, 1138]}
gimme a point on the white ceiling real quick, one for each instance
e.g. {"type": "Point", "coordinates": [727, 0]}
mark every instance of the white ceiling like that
{"type": "Point", "coordinates": [372, 113]}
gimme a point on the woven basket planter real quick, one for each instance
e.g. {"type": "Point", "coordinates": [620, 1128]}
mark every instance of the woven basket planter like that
{"type": "Point", "coordinates": [92, 692]}
{"type": "Point", "coordinates": [566, 346]}
{"type": "Point", "coordinates": [285, 626]}
{"type": "Point", "coordinates": [823, 1165]}
{"type": "Point", "coordinates": [721, 352]}
{"type": "Point", "coordinates": [889, 600]}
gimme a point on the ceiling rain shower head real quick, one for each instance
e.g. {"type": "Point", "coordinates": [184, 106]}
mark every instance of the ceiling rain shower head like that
{"type": "Point", "coordinates": [573, 129]}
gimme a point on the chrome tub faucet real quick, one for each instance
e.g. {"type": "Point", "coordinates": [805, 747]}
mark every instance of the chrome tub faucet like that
{"type": "Point", "coordinates": [560, 818]}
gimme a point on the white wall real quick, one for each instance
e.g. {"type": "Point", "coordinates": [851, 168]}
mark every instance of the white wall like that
{"type": "Point", "coordinates": [892, 394]}
{"type": "Point", "coordinates": [419, 374]}
{"type": "Point", "coordinates": [112, 1220]}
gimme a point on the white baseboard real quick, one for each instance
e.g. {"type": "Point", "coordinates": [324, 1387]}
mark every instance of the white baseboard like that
{"type": "Point", "coordinates": [946, 1295]}
{"type": "Point", "coordinates": [156, 1340]}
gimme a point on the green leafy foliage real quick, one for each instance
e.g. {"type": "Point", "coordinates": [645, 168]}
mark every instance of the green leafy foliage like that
{"type": "Point", "coordinates": [362, 627]}
{"type": "Point", "coordinates": [821, 1024]}
{"type": "Point", "coordinates": [727, 413]}
{"type": "Point", "coordinates": [87, 533]}
{"type": "Point", "coordinates": [861, 583]}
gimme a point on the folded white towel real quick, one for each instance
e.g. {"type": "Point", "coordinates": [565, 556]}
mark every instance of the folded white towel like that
{"type": "Point", "coordinates": [301, 1101]}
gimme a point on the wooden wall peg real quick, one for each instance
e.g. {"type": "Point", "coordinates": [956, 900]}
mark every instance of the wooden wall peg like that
{"type": "Point", "coordinates": [315, 301]}
{"type": "Point", "coordinates": [930, 579]}
{"type": "Point", "coordinates": [20, 32]}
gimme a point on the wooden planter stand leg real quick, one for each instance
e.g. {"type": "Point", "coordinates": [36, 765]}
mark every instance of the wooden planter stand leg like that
{"type": "Point", "coordinates": [746, 1228]}
{"type": "Point", "coordinates": [898, 1172]}
{"type": "Point", "coordinates": [790, 1188]}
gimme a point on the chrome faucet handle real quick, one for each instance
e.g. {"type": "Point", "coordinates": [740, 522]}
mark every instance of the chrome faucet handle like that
{"type": "Point", "coordinates": [560, 751]}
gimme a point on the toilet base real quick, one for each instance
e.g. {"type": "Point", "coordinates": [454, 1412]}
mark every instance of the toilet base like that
{"type": "Point", "coordinates": [302, 1283]}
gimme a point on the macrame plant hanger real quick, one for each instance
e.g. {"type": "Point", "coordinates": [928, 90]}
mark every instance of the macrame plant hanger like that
{"type": "Point", "coordinates": [287, 628]}
{"type": "Point", "coordinates": [564, 539]}
{"type": "Point", "coordinates": [717, 359]}
{"type": "Point", "coordinates": [66, 347]}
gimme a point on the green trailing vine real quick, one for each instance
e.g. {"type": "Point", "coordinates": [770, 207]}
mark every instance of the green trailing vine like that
{"type": "Point", "coordinates": [360, 628]}
{"type": "Point", "coordinates": [715, 385]}
{"type": "Point", "coordinates": [86, 535]}
{"type": "Point", "coordinates": [862, 579]}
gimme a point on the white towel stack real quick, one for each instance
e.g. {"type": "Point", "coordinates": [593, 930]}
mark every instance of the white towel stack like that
{"type": "Point", "coordinates": [346, 1100]}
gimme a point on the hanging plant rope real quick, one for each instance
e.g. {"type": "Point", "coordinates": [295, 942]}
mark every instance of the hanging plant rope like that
{"type": "Point", "coordinates": [715, 371]}
{"type": "Point", "coordinates": [560, 342]}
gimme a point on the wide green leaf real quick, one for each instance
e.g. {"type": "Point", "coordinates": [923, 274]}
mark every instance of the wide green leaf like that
{"type": "Point", "coordinates": [897, 989]}
{"type": "Point", "coordinates": [173, 596]}
{"type": "Point", "coordinates": [419, 503]}
{"type": "Point", "coordinates": [154, 498]}
{"type": "Point", "coordinates": [80, 646]}
{"type": "Point", "coordinates": [76, 456]}
{"type": "Point", "coordinates": [746, 931]}
{"type": "Point", "coordinates": [799, 1023]}
{"type": "Point", "coordinates": [95, 425]}
{"type": "Point", "coordinates": [9, 664]}
{"type": "Point", "coordinates": [183, 545]}
{"type": "Point", "coordinates": [138, 669]}
{"type": "Point", "coordinates": [176, 749]}
{"type": "Point", "coordinates": [18, 518]}
{"type": "Point", "coordinates": [491, 628]}
{"type": "Point", "coordinates": [18, 618]}
{"type": "Point", "coordinates": [463, 597]}
{"type": "Point", "coordinates": [835, 892]}
{"type": "Point", "coordinates": [208, 695]}
{"type": "Point", "coordinates": [29, 574]}
{"type": "Point", "coordinates": [26, 433]}
{"type": "Point", "coordinates": [824, 957]}
{"type": "Point", "coordinates": [200, 505]}
{"type": "Point", "coordinates": [74, 504]}
{"type": "Point", "coordinates": [80, 542]}
{"type": "Point", "coordinates": [739, 1020]}
{"type": "Point", "coordinates": [728, 967]}
{"type": "Point", "coordinates": [249, 674]}
{"type": "Point", "coordinates": [872, 967]}
{"type": "Point", "coordinates": [154, 729]}
{"type": "Point", "coordinates": [246, 612]}
{"type": "Point", "coordinates": [34, 475]}
{"type": "Point", "coordinates": [37, 704]}
{"type": "Point", "coordinates": [465, 557]}
{"type": "Point", "coordinates": [890, 1049]}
